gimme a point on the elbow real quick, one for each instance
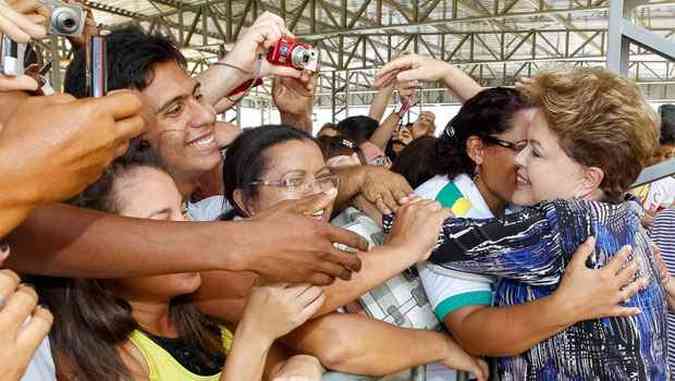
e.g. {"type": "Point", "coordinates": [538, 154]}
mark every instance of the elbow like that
{"type": "Point", "coordinates": [339, 354]}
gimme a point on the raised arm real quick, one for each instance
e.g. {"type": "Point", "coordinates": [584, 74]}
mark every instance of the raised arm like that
{"type": "Point", "coordinates": [381, 101]}
{"type": "Point", "coordinates": [413, 67]}
{"type": "Point", "coordinates": [384, 132]}
{"type": "Point", "coordinates": [240, 64]}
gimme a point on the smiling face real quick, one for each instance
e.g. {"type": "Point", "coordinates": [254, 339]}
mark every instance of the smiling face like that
{"type": "Point", "coordinates": [291, 162]}
{"type": "Point", "coordinates": [181, 125]}
{"type": "Point", "coordinates": [149, 193]}
{"type": "Point", "coordinates": [546, 172]}
{"type": "Point", "coordinates": [497, 163]}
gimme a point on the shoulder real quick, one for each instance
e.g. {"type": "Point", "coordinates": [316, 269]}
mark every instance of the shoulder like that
{"type": "Point", "coordinates": [430, 188]}
{"type": "Point", "coordinates": [135, 361]}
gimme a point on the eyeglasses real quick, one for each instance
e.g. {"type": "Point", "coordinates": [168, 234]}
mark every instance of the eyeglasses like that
{"type": "Point", "coordinates": [515, 147]}
{"type": "Point", "coordinates": [301, 185]}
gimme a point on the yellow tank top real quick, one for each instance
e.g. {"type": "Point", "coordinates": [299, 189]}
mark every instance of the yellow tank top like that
{"type": "Point", "coordinates": [162, 366]}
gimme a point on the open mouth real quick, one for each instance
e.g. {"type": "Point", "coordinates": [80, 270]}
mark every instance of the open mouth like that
{"type": "Point", "coordinates": [205, 141]}
{"type": "Point", "coordinates": [522, 180]}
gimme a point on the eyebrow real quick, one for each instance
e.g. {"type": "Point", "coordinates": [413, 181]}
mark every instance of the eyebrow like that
{"type": "Point", "coordinates": [166, 105]}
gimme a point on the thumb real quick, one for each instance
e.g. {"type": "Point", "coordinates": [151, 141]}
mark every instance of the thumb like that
{"type": "Point", "coordinates": [285, 71]}
{"type": "Point", "coordinates": [583, 252]}
{"type": "Point", "coordinates": [313, 203]}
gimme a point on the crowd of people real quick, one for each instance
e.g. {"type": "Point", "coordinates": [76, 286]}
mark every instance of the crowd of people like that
{"type": "Point", "coordinates": [143, 239]}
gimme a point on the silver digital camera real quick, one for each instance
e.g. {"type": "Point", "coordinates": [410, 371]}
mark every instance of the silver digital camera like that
{"type": "Point", "coordinates": [65, 19]}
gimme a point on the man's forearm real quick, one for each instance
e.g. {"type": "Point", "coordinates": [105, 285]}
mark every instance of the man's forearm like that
{"type": "Point", "coordinates": [62, 240]}
{"type": "Point", "coordinates": [301, 122]}
{"type": "Point", "coordinates": [219, 80]}
{"type": "Point", "coordinates": [360, 345]}
{"type": "Point", "coordinates": [482, 331]}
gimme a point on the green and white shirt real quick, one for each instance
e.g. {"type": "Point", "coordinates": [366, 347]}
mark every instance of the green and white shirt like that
{"type": "Point", "coordinates": [449, 291]}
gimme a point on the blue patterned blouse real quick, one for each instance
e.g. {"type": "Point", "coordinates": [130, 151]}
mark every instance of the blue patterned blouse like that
{"type": "Point", "coordinates": [529, 251]}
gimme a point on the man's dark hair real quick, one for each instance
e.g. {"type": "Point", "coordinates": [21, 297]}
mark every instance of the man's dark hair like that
{"type": "Point", "coordinates": [132, 54]}
{"type": "Point", "coordinates": [358, 128]}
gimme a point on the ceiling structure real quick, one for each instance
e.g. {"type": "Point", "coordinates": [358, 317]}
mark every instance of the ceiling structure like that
{"type": "Point", "coordinates": [495, 41]}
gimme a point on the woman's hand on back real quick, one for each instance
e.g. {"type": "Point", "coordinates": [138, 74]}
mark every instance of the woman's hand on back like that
{"type": "Point", "coordinates": [586, 293]}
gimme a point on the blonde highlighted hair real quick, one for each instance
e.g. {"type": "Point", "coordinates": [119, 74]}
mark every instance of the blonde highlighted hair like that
{"type": "Point", "coordinates": [601, 120]}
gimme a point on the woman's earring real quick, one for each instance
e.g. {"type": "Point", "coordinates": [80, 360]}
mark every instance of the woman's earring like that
{"type": "Point", "coordinates": [476, 174]}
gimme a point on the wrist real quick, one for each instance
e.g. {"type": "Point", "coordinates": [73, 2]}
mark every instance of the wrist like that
{"type": "Point", "coordinates": [240, 259]}
{"type": "Point", "coordinates": [565, 310]}
{"type": "Point", "coordinates": [250, 329]}
{"type": "Point", "coordinates": [237, 66]}
{"type": "Point", "coordinates": [447, 77]}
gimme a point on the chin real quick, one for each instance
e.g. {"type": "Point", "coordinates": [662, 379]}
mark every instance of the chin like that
{"type": "Point", "coordinates": [523, 197]}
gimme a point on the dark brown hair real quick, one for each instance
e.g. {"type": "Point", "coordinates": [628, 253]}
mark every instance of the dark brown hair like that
{"type": "Point", "coordinates": [91, 322]}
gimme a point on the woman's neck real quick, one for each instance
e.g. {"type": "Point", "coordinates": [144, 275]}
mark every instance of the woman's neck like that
{"type": "Point", "coordinates": [494, 202]}
{"type": "Point", "coordinates": [154, 317]}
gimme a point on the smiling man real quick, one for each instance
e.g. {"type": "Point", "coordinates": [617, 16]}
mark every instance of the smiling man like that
{"type": "Point", "coordinates": [180, 128]}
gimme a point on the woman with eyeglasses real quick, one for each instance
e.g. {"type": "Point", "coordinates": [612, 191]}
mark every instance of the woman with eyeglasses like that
{"type": "Point", "coordinates": [585, 145]}
{"type": "Point", "coordinates": [271, 164]}
{"type": "Point", "coordinates": [476, 177]}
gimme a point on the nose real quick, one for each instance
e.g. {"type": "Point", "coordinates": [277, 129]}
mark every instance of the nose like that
{"type": "Point", "coordinates": [521, 158]}
{"type": "Point", "coordinates": [202, 114]}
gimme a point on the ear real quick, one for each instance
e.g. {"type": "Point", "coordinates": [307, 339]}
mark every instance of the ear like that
{"type": "Point", "coordinates": [475, 149]}
{"type": "Point", "coordinates": [239, 199]}
{"type": "Point", "coordinates": [592, 178]}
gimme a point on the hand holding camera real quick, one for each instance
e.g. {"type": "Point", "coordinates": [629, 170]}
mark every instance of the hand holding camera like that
{"type": "Point", "coordinates": [21, 25]}
{"type": "Point", "coordinates": [285, 56]}
{"type": "Point", "coordinates": [70, 143]}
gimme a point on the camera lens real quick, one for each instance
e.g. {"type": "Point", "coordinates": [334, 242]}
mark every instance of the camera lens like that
{"type": "Point", "coordinates": [298, 57]}
{"type": "Point", "coordinates": [65, 20]}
